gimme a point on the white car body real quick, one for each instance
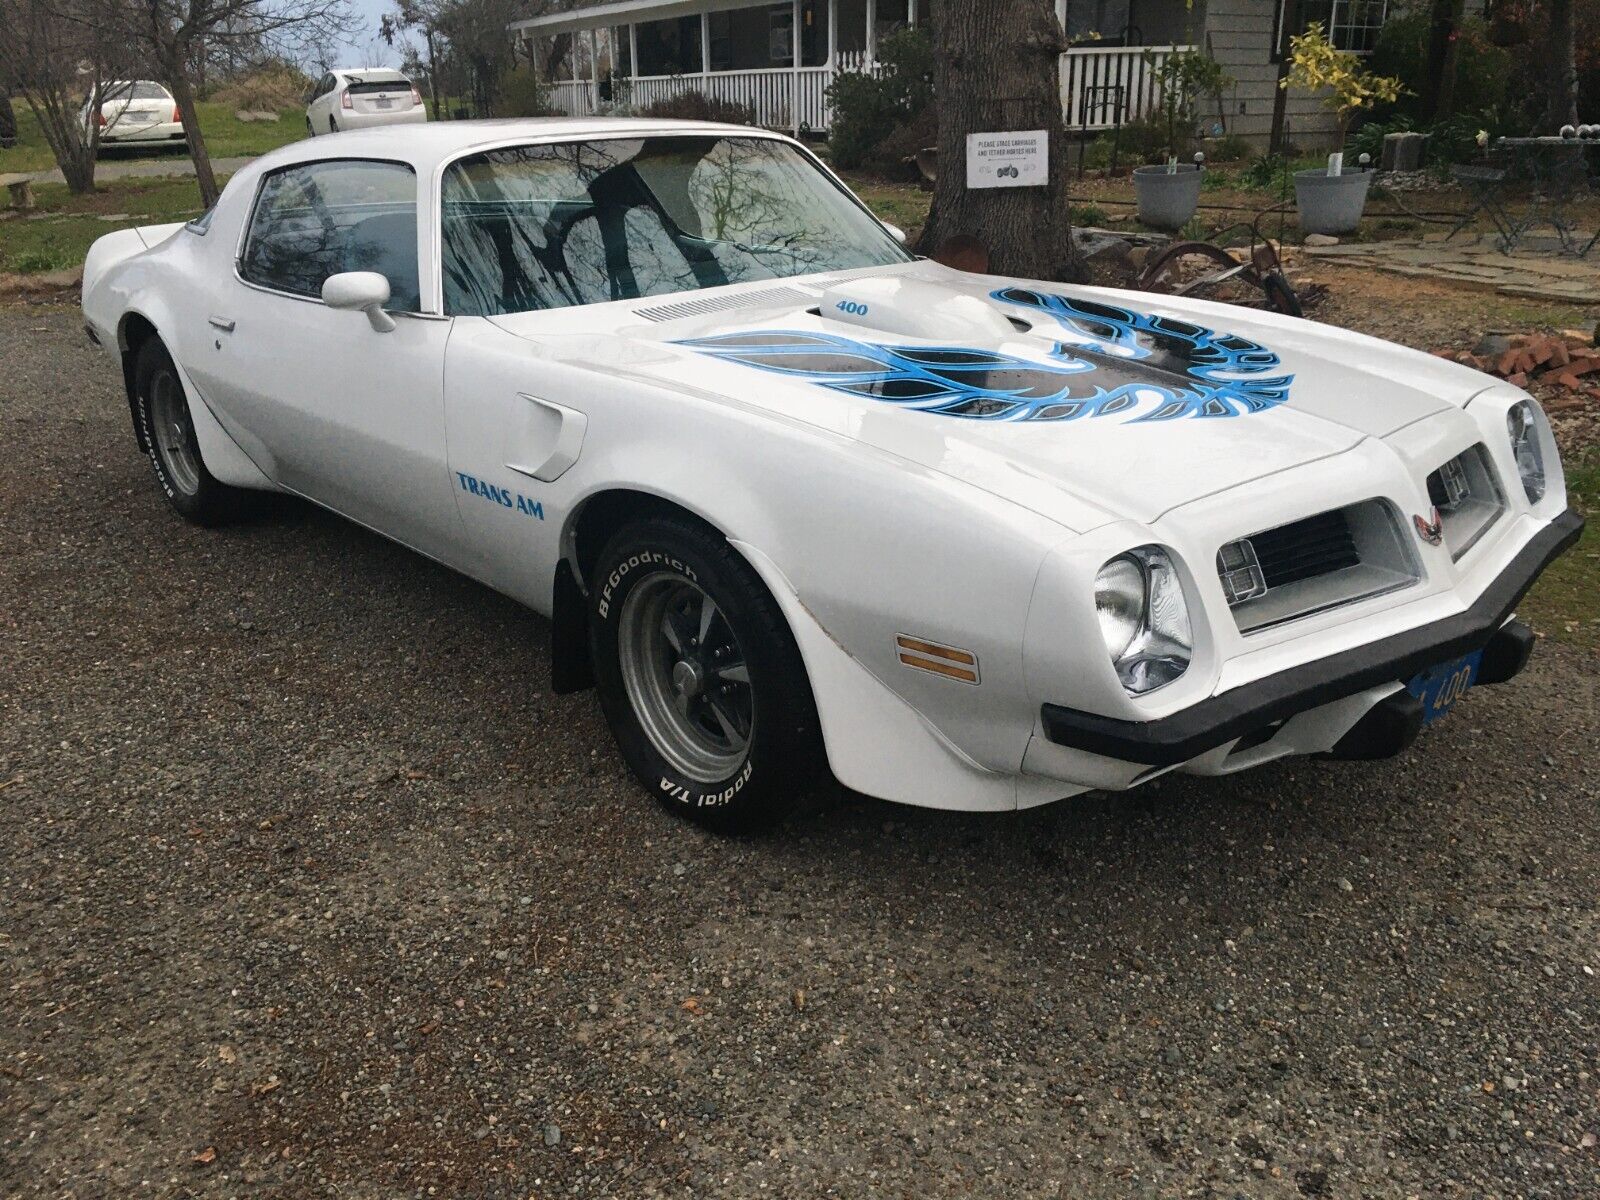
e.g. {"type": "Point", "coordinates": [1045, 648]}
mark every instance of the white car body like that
{"type": "Point", "coordinates": [139, 110]}
{"type": "Point", "coordinates": [363, 98]}
{"type": "Point", "coordinates": [891, 535]}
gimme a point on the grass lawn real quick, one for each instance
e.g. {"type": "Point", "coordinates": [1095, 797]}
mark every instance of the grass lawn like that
{"type": "Point", "coordinates": [68, 224]}
{"type": "Point", "coordinates": [1565, 603]}
{"type": "Point", "coordinates": [226, 137]}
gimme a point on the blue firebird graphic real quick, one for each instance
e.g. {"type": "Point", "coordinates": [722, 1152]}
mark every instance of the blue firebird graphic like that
{"type": "Point", "coordinates": [1109, 360]}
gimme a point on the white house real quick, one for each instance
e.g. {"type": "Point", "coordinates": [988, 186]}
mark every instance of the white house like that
{"type": "Point", "coordinates": [778, 58]}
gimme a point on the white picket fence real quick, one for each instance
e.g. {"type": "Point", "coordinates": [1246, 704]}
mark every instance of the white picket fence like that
{"type": "Point", "coordinates": [1095, 84]}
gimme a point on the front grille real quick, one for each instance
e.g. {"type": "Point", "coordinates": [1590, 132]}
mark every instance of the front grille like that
{"type": "Point", "coordinates": [1314, 564]}
{"type": "Point", "coordinates": [1318, 545]}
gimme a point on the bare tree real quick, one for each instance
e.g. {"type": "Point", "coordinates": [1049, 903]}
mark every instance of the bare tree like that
{"type": "Point", "coordinates": [55, 60]}
{"type": "Point", "coordinates": [998, 69]}
{"type": "Point", "coordinates": [174, 36]}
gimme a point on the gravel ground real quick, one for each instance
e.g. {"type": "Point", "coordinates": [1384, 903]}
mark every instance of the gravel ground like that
{"type": "Point", "coordinates": [311, 889]}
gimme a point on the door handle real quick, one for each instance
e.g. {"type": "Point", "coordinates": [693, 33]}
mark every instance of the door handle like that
{"type": "Point", "coordinates": [565, 445]}
{"type": "Point", "coordinates": [223, 323]}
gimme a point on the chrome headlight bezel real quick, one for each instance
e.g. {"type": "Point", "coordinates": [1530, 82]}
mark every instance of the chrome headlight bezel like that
{"type": "Point", "coordinates": [1143, 616]}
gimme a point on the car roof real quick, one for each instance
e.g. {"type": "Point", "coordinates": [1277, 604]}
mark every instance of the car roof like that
{"type": "Point", "coordinates": [424, 146]}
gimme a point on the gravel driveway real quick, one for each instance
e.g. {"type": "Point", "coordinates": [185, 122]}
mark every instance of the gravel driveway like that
{"type": "Point", "coordinates": [311, 889]}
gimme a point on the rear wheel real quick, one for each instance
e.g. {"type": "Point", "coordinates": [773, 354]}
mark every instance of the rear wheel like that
{"type": "Point", "coordinates": [333, 126]}
{"type": "Point", "coordinates": [699, 676]}
{"type": "Point", "coordinates": [166, 433]}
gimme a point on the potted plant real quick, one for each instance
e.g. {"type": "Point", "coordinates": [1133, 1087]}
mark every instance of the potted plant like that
{"type": "Point", "coordinates": [1330, 200]}
{"type": "Point", "coordinates": [1169, 192]}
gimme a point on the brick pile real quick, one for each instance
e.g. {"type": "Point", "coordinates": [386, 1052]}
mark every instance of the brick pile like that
{"type": "Point", "coordinates": [1562, 369]}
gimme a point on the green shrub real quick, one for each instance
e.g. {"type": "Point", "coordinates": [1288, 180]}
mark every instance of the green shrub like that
{"type": "Point", "coordinates": [697, 106]}
{"type": "Point", "coordinates": [1483, 70]}
{"type": "Point", "coordinates": [867, 109]}
{"type": "Point", "coordinates": [1185, 78]}
{"type": "Point", "coordinates": [522, 94]}
{"type": "Point", "coordinates": [1231, 147]}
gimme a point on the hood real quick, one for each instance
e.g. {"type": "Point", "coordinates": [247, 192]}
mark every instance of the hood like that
{"type": "Point", "coordinates": [1129, 403]}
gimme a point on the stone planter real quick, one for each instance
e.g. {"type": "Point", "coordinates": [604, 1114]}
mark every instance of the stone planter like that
{"type": "Point", "coordinates": [1330, 204]}
{"type": "Point", "coordinates": [1167, 201]}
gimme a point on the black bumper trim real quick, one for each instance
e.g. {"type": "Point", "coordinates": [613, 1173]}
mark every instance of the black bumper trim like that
{"type": "Point", "coordinates": [1219, 719]}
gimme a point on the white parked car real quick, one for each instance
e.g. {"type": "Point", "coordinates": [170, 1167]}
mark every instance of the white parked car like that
{"type": "Point", "coordinates": [360, 98]}
{"type": "Point", "coordinates": [792, 498]}
{"type": "Point", "coordinates": [138, 110]}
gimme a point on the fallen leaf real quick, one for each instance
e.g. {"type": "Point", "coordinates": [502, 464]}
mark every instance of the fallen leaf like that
{"type": "Point", "coordinates": [692, 1006]}
{"type": "Point", "coordinates": [429, 1027]}
{"type": "Point", "coordinates": [227, 1054]}
{"type": "Point", "coordinates": [799, 999]}
{"type": "Point", "coordinates": [270, 1084]}
{"type": "Point", "coordinates": [206, 1157]}
{"type": "Point", "coordinates": [1488, 1086]}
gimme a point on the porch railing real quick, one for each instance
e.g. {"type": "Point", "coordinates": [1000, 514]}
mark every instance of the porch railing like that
{"type": "Point", "coordinates": [1092, 82]}
{"type": "Point", "coordinates": [1097, 81]}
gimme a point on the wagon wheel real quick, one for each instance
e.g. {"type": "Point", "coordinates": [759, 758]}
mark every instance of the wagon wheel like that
{"type": "Point", "coordinates": [1198, 269]}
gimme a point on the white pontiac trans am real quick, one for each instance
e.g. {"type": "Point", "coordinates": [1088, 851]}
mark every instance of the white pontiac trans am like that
{"type": "Point", "coordinates": [794, 499]}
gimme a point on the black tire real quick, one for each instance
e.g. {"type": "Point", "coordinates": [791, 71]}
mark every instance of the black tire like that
{"type": "Point", "coordinates": [651, 563]}
{"type": "Point", "coordinates": [166, 435]}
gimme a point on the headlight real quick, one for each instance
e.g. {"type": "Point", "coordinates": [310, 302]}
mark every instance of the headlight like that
{"type": "Point", "coordinates": [1144, 620]}
{"type": "Point", "coordinates": [1522, 427]}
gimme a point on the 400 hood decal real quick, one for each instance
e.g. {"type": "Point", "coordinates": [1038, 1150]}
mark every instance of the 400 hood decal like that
{"type": "Point", "coordinates": [1110, 361]}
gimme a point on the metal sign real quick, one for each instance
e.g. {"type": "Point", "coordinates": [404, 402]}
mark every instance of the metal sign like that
{"type": "Point", "coordinates": [1018, 158]}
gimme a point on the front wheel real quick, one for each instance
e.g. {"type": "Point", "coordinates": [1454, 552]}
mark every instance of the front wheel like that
{"type": "Point", "coordinates": [699, 676]}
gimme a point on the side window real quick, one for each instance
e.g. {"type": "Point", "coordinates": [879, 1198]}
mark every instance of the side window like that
{"type": "Point", "coordinates": [323, 218]}
{"type": "Point", "coordinates": [328, 84]}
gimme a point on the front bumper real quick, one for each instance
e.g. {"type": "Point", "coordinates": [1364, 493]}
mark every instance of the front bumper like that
{"type": "Point", "coordinates": [1244, 710]}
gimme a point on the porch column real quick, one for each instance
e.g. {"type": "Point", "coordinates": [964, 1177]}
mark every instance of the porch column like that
{"type": "Point", "coordinates": [794, 69]}
{"type": "Point", "coordinates": [705, 54]}
{"type": "Point", "coordinates": [872, 33]}
{"type": "Point", "coordinates": [633, 56]}
{"type": "Point", "coordinates": [833, 37]}
{"type": "Point", "coordinates": [594, 72]}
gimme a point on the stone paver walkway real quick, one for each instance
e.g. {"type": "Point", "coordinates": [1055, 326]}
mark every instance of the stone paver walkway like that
{"type": "Point", "coordinates": [1535, 271]}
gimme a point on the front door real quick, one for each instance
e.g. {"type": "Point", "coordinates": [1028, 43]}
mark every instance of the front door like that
{"type": "Point", "coordinates": [345, 414]}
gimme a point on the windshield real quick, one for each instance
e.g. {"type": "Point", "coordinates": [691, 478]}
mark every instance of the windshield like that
{"type": "Point", "coordinates": [551, 226]}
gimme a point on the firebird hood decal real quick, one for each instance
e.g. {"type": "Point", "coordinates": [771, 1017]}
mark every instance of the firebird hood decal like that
{"type": "Point", "coordinates": [1111, 361]}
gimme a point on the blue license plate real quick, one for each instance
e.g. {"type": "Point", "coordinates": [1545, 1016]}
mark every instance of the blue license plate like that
{"type": "Point", "coordinates": [1440, 687]}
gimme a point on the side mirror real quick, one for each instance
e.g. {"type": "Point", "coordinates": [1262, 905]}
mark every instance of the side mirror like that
{"type": "Point", "coordinates": [360, 291]}
{"type": "Point", "coordinates": [896, 232]}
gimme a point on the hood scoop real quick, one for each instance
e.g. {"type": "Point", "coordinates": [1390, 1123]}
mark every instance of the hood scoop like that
{"type": "Point", "coordinates": [916, 308]}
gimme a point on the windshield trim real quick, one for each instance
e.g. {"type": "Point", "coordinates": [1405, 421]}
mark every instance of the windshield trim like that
{"type": "Point", "coordinates": [436, 190]}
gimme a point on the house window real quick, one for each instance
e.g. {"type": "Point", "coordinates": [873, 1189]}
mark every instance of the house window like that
{"type": "Point", "coordinates": [1351, 25]}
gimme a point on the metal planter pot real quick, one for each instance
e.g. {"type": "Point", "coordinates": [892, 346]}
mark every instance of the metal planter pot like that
{"type": "Point", "coordinates": [1330, 204]}
{"type": "Point", "coordinates": [1167, 201]}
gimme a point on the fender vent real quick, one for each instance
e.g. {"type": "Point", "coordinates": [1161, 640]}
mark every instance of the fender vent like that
{"type": "Point", "coordinates": [711, 304]}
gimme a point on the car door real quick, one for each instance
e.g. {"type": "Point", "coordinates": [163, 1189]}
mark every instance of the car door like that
{"type": "Point", "coordinates": [342, 412]}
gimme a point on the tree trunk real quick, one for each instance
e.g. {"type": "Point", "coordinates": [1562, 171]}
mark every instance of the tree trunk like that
{"type": "Point", "coordinates": [1562, 68]}
{"type": "Point", "coordinates": [178, 81]}
{"type": "Point", "coordinates": [998, 70]}
{"type": "Point", "coordinates": [1277, 141]}
{"type": "Point", "coordinates": [1443, 40]}
{"type": "Point", "coordinates": [433, 72]}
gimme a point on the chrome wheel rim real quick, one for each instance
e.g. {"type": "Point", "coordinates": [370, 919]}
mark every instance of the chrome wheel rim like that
{"type": "Point", "coordinates": [172, 433]}
{"type": "Point", "coordinates": [686, 677]}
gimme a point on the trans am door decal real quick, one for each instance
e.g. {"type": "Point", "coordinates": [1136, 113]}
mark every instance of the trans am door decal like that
{"type": "Point", "coordinates": [1109, 361]}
